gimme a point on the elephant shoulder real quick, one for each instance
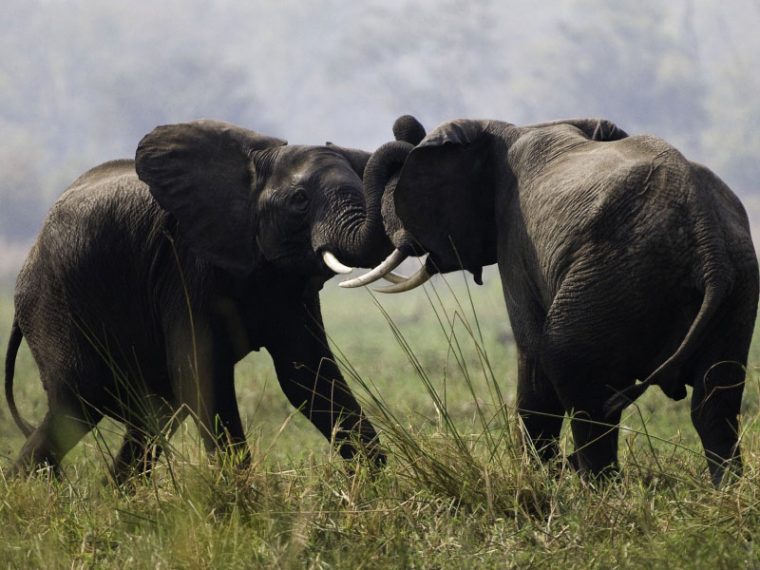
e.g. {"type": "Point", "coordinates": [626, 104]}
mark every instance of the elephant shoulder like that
{"type": "Point", "coordinates": [106, 201]}
{"type": "Point", "coordinates": [106, 224]}
{"type": "Point", "coordinates": [536, 147]}
{"type": "Point", "coordinates": [107, 172]}
{"type": "Point", "coordinates": [647, 148]}
{"type": "Point", "coordinates": [113, 184]}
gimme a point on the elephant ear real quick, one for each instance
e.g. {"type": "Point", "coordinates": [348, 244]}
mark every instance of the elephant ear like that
{"type": "Point", "coordinates": [203, 173]}
{"type": "Point", "coordinates": [444, 196]}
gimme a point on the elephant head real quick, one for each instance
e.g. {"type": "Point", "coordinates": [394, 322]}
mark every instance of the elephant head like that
{"type": "Point", "coordinates": [439, 195]}
{"type": "Point", "coordinates": [242, 199]}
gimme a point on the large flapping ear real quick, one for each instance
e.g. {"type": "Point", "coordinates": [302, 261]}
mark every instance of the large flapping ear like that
{"type": "Point", "coordinates": [202, 173]}
{"type": "Point", "coordinates": [445, 196]}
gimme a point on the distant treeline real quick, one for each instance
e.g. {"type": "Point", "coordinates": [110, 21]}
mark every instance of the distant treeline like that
{"type": "Point", "coordinates": [81, 80]}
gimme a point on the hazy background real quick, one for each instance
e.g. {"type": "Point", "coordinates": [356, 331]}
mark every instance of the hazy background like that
{"type": "Point", "coordinates": [82, 80]}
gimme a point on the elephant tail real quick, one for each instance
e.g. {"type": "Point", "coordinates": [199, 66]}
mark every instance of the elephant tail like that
{"type": "Point", "coordinates": [668, 375]}
{"type": "Point", "coordinates": [10, 366]}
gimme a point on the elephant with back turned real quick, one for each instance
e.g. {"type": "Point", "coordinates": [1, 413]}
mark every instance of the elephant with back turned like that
{"type": "Point", "coordinates": [151, 278]}
{"type": "Point", "coordinates": [619, 258]}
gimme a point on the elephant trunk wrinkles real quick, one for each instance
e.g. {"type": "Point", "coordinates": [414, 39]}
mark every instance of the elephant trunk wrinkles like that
{"type": "Point", "coordinates": [358, 232]}
{"type": "Point", "coordinates": [359, 243]}
{"type": "Point", "coordinates": [380, 179]}
{"type": "Point", "coordinates": [364, 235]}
{"type": "Point", "coordinates": [361, 239]}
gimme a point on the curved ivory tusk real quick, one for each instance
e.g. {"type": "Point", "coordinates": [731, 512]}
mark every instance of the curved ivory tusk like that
{"type": "Point", "coordinates": [394, 277]}
{"type": "Point", "coordinates": [332, 262]}
{"type": "Point", "coordinates": [389, 264]}
{"type": "Point", "coordinates": [415, 280]}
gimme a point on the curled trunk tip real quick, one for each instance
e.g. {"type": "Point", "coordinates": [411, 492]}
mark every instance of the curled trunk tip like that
{"type": "Point", "coordinates": [408, 129]}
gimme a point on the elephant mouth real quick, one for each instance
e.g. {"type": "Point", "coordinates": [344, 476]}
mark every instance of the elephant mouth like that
{"type": "Point", "coordinates": [321, 263]}
{"type": "Point", "coordinates": [302, 262]}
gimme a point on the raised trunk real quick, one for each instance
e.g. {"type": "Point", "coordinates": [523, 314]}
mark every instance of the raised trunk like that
{"type": "Point", "coordinates": [363, 241]}
{"type": "Point", "coordinates": [407, 128]}
{"type": "Point", "coordinates": [381, 176]}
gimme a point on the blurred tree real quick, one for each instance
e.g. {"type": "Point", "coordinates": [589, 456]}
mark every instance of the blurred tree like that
{"type": "Point", "coordinates": [22, 205]}
{"type": "Point", "coordinates": [732, 141]}
{"type": "Point", "coordinates": [634, 61]}
{"type": "Point", "coordinates": [81, 80]}
{"type": "Point", "coordinates": [731, 138]}
{"type": "Point", "coordinates": [436, 60]}
{"type": "Point", "coordinates": [86, 80]}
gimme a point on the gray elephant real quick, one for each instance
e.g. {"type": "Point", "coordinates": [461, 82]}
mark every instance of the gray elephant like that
{"type": "Point", "coordinates": [151, 278]}
{"type": "Point", "coordinates": [619, 258]}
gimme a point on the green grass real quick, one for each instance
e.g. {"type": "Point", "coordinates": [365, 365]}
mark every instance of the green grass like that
{"type": "Point", "coordinates": [457, 492]}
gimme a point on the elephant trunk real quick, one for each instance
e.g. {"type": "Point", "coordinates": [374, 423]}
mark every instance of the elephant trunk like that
{"type": "Point", "coordinates": [361, 238]}
{"type": "Point", "coordinates": [380, 179]}
{"type": "Point", "coordinates": [407, 128]}
{"type": "Point", "coordinates": [381, 175]}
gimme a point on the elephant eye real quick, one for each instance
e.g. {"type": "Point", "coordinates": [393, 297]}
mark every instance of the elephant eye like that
{"type": "Point", "coordinates": [300, 201]}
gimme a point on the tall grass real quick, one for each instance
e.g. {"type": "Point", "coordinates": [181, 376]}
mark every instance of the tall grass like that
{"type": "Point", "coordinates": [434, 370]}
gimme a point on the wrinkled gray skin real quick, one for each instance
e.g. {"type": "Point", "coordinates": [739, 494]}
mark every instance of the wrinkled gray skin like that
{"type": "Point", "coordinates": [620, 260]}
{"type": "Point", "coordinates": [151, 278]}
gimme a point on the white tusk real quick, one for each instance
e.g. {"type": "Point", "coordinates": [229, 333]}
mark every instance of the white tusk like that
{"type": "Point", "coordinates": [332, 262]}
{"type": "Point", "coordinates": [389, 264]}
{"type": "Point", "coordinates": [415, 280]}
{"type": "Point", "coordinates": [394, 277]}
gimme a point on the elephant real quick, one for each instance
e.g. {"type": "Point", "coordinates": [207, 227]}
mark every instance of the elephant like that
{"type": "Point", "coordinates": [152, 277]}
{"type": "Point", "coordinates": [623, 265]}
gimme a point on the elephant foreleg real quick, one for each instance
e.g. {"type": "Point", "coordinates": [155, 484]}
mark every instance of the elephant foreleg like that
{"type": "Point", "coordinates": [218, 416]}
{"type": "Point", "coordinates": [311, 381]}
{"type": "Point", "coordinates": [143, 444]}
{"type": "Point", "coordinates": [314, 385]}
{"type": "Point", "coordinates": [203, 381]}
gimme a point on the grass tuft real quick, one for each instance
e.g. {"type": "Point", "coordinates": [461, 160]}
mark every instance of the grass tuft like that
{"type": "Point", "coordinates": [437, 378]}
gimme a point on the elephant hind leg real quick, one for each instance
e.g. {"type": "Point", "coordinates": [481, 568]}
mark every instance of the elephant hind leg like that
{"type": "Point", "coordinates": [715, 405]}
{"type": "Point", "coordinates": [583, 388]}
{"type": "Point", "coordinates": [596, 442]}
{"type": "Point", "coordinates": [718, 378]}
{"type": "Point", "coordinates": [540, 409]}
{"type": "Point", "coordinates": [59, 431]}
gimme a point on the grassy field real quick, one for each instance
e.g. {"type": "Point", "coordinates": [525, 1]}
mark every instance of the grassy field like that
{"type": "Point", "coordinates": [457, 491]}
